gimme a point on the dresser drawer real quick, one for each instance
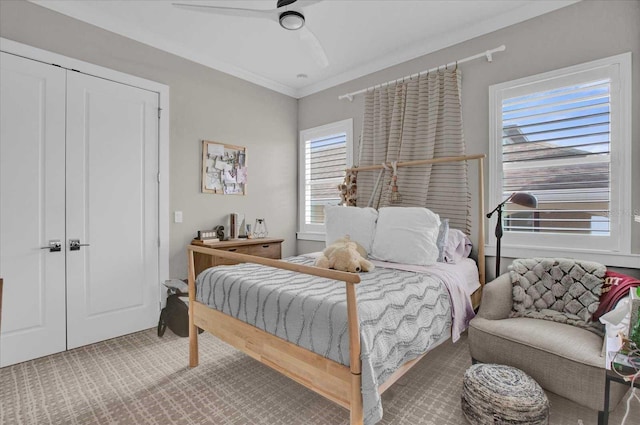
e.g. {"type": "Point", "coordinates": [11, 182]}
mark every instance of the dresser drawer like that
{"type": "Point", "coordinates": [266, 250]}
{"type": "Point", "coordinates": [219, 261]}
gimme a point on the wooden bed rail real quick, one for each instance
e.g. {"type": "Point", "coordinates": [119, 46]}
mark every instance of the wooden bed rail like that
{"type": "Point", "coordinates": [350, 279]}
{"type": "Point", "coordinates": [278, 264]}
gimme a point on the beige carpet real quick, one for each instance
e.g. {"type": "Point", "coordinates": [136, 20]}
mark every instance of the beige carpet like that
{"type": "Point", "coordinates": [143, 379]}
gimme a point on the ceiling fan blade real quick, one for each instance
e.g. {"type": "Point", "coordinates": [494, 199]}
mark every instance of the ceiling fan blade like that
{"type": "Point", "coordinates": [305, 3]}
{"type": "Point", "coordinates": [312, 42]}
{"type": "Point", "coordinates": [229, 11]}
{"type": "Point", "coordinates": [298, 3]}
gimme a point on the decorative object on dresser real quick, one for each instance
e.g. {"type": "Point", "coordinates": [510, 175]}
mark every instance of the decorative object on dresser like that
{"type": "Point", "coordinates": [237, 226]}
{"type": "Point", "coordinates": [519, 198]}
{"type": "Point", "coordinates": [260, 229]}
{"type": "Point", "coordinates": [265, 247]}
{"type": "Point", "coordinates": [208, 236]}
{"type": "Point", "coordinates": [220, 234]}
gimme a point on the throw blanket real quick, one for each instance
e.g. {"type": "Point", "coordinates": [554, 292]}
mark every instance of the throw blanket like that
{"type": "Point", "coordinates": [558, 289]}
{"type": "Point", "coordinates": [616, 286]}
{"type": "Point", "coordinates": [402, 314]}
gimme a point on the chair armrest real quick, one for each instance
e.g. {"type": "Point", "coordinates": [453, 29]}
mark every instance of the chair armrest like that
{"type": "Point", "coordinates": [497, 299]}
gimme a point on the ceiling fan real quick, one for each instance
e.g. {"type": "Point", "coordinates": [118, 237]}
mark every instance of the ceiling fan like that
{"type": "Point", "coordinates": [292, 20]}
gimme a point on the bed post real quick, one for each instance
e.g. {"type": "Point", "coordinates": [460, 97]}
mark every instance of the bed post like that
{"type": "Point", "coordinates": [355, 363]}
{"type": "Point", "coordinates": [193, 331]}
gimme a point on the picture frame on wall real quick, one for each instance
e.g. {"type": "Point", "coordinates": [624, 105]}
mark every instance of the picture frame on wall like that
{"type": "Point", "coordinates": [224, 168]}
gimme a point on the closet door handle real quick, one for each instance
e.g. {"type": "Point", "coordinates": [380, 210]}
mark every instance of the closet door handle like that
{"type": "Point", "coordinates": [54, 246]}
{"type": "Point", "coordinates": [74, 244]}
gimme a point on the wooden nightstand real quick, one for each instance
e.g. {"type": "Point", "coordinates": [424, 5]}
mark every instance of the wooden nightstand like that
{"type": "Point", "coordinates": [265, 247]}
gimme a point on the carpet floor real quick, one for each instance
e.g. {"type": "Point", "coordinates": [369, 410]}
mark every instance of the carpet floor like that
{"type": "Point", "coordinates": [143, 379]}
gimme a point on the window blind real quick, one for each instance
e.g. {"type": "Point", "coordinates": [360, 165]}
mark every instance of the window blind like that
{"type": "Point", "coordinates": [326, 160]}
{"type": "Point", "coordinates": [556, 145]}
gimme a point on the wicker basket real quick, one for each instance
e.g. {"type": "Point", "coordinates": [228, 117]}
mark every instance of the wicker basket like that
{"type": "Point", "coordinates": [498, 394]}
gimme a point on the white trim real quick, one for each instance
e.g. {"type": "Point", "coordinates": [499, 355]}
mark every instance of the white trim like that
{"type": "Point", "coordinates": [76, 10]}
{"type": "Point", "coordinates": [29, 52]}
{"type": "Point", "coordinates": [310, 236]}
{"type": "Point", "coordinates": [415, 50]}
{"type": "Point", "coordinates": [425, 47]}
{"type": "Point", "coordinates": [345, 126]}
{"type": "Point", "coordinates": [607, 258]}
{"type": "Point", "coordinates": [33, 53]}
{"type": "Point", "coordinates": [619, 242]}
{"type": "Point", "coordinates": [626, 188]}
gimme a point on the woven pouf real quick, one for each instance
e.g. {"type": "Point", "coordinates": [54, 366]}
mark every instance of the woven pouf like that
{"type": "Point", "coordinates": [497, 394]}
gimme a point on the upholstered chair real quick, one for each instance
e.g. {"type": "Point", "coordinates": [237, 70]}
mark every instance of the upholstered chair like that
{"type": "Point", "coordinates": [564, 359]}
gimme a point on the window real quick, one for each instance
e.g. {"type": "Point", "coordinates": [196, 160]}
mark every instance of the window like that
{"type": "Point", "coordinates": [325, 152]}
{"type": "Point", "coordinates": [565, 137]}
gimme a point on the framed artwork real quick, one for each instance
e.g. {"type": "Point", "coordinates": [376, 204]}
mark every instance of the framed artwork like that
{"type": "Point", "coordinates": [224, 169]}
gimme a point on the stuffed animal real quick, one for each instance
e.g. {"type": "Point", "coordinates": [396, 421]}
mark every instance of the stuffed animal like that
{"type": "Point", "coordinates": [345, 255]}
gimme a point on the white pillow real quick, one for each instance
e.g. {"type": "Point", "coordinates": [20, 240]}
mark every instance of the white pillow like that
{"type": "Point", "coordinates": [406, 235]}
{"type": "Point", "coordinates": [358, 223]}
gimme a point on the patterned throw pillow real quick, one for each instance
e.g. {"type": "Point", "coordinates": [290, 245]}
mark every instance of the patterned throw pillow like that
{"type": "Point", "coordinates": [558, 289]}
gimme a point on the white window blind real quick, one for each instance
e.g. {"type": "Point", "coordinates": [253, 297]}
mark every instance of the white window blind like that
{"type": "Point", "coordinates": [326, 160]}
{"type": "Point", "coordinates": [325, 153]}
{"type": "Point", "coordinates": [556, 145]}
{"type": "Point", "coordinates": [565, 137]}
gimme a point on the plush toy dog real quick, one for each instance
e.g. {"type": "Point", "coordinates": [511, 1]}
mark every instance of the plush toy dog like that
{"type": "Point", "coordinates": [345, 255]}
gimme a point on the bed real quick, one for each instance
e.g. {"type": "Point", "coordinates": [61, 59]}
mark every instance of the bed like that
{"type": "Point", "coordinates": [316, 326]}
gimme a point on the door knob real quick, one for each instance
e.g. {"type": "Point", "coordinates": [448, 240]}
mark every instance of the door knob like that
{"type": "Point", "coordinates": [74, 244]}
{"type": "Point", "coordinates": [54, 246]}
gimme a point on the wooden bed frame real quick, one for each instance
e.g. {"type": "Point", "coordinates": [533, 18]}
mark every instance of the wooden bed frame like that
{"type": "Point", "coordinates": [339, 383]}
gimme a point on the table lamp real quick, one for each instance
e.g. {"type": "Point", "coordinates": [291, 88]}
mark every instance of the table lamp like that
{"type": "Point", "coordinates": [519, 198]}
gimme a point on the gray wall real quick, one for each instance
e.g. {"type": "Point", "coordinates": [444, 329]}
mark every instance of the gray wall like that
{"type": "Point", "coordinates": [205, 104]}
{"type": "Point", "coordinates": [579, 33]}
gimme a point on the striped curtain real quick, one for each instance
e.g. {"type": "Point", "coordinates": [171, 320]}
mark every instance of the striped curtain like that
{"type": "Point", "coordinates": [414, 120]}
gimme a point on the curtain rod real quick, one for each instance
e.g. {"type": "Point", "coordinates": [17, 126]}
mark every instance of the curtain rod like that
{"type": "Point", "coordinates": [421, 162]}
{"type": "Point", "coordinates": [488, 54]}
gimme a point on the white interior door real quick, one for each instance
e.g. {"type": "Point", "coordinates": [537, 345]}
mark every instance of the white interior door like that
{"type": "Point", "coordinates": [32, 210]}
{"type": "Point", "coordinates": [112, 205]}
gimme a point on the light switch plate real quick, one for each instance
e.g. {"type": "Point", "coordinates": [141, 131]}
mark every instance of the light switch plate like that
{"type": "Point", "coordinates": [177, 217]}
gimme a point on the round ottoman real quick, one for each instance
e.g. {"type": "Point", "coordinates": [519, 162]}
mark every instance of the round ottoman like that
{"type": "Point", "coordinates": [497, 394]}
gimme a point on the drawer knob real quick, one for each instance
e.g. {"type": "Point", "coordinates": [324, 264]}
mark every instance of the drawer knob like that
{"type": "Point", "coordinates": [265, 246]}
{"type": "Point", "coordinates": [232, 249]}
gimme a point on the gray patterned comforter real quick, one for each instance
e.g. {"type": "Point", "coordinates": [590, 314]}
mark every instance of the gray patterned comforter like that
{"type": "Point", "coordinates": [402, 314]}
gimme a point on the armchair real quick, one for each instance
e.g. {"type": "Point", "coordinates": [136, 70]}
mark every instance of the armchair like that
{"type": "Point", "coordinates": [563, 359]}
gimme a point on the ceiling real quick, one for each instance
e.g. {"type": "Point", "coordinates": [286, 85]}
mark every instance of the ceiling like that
{"type": "Point", "coordinates": [358, 36]}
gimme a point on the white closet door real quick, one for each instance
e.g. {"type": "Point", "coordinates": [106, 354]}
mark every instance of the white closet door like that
{"type": "Point", "coordinates": [112, 205]}
{"type": "Point", "coordinates": [32, 138]}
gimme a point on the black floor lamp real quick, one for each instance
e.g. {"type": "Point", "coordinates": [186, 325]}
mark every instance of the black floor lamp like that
{"type": "Point", "coordinates": [519, 198]}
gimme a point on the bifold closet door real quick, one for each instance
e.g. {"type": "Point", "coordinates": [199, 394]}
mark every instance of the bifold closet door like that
{"type": "Point", "coordinates": [112, 208]}
{"type": "Point", "coordinates": [32, 209]}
